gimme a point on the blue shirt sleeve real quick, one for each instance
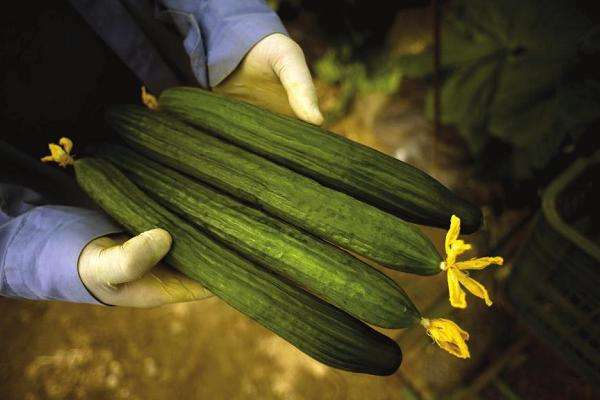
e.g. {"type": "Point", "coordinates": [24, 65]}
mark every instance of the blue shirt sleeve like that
{"type": "Point", "coordinates": [219, 33]}
{"type": "Point", "coordinates": [113, 22]}
{"type": "Point", "coordinates": [40, 246]}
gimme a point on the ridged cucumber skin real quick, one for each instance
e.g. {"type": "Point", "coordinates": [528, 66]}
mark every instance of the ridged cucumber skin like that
{"type": "Point", "coordinates": [320, 330]}
{"type": "Point", "coordinates": [347, 166]}
{"type": "Point", "coordinates": [313, 264]}
{"type": "Point", "coordinates": [301, 201]}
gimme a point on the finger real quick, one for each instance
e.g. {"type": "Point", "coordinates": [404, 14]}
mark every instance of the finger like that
{"type": "Point", "coordinates": [295, 77]}
{"type": "Point", "coordinates": [132, 259]}
{"type": "Point", "coordinates": [162, 285]}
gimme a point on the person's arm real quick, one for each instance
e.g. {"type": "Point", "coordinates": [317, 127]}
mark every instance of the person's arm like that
{"type": "Point", "coordinates": [240, 48]}
{"type": "Point", "coordinates": [40, 246]}
{"type": "Point", "coordinates": [73, 254]}
{"type": "Point", "coordinates": [218, 33]}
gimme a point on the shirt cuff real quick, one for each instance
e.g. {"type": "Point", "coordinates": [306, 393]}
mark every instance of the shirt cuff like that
{"type": "Point", "coordinates": [236, 38]}
{"type": "Point", "coordinates": [65, 248]}
{"type": "Point", "coordinates": [53, 273]}
{"type": "Point", "coordinates": [219, 33]}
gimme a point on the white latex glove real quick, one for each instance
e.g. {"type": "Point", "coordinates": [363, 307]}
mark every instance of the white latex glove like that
{"type": "Point", "coordinates": [274, 75]}
{"type": "Point", "coordinates": [124, 272]}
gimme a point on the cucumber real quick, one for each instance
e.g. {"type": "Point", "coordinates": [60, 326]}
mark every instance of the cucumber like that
{"type": "Point", "coordinates": [313, 264]}
{"type": "Point", "coordinates": [334, 161]}
{"type": "Point", "coordinates": [299, 200]}
{"type": "Point", "coordinates": [320, 330]}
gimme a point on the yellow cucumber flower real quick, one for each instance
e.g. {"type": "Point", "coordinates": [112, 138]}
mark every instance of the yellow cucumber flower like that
{"type": "Point", "coordinates": [448, 336]}
{"type": "Point", "coordinates": [149, 100]}
{"type": "Point", "coordinates": [456, 277]}
{"type": "Point", "coordinates": [61, 155]}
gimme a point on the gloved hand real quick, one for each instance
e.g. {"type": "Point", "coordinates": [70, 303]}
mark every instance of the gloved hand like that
{"type": "Point", "coordinates": [274, 75]}
{"type": "Point", "coordinates": [124, 272]}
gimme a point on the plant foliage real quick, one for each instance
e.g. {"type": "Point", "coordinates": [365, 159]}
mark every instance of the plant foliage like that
{"type": "Point", "coordinates": [508, 75]}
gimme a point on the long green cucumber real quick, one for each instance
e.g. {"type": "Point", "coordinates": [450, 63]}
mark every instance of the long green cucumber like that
{"type": "Point", "coordinates": [326, 213]}
{"type": "Point", "coordinates": [320, 330]}
{"type": "Point", "coordinates": [313, 264]}
{"type": "Point", "coordinates": [347, 166]}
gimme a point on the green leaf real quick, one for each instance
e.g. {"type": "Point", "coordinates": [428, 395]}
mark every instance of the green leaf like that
{"type": "Point", "coordinates": [465, 99]}
{"type": "Point", "coordinates": [329, 69]}
{"type": "Point", "coordinates": [528, 126]}
{"type": "Point", "coordinates": [504, 62]}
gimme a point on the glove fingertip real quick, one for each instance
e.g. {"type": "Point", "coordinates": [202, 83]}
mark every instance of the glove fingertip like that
{"type": "Point", "coordinates": [316, 117]}
{"type": "Point", "coordinates": [309, 113]}
{"type": "Point", "coordinates": [161, 239]}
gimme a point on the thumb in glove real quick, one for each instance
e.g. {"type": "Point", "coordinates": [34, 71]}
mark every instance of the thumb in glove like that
{"type": "Point", "coordinates": [274, 75]}
{"type": "Point", "coordinates": [124, 272]}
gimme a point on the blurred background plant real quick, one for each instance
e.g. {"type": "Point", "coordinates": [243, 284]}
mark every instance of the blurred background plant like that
{"type": "Point", "coordinates": [516, 80]}
{"type": "Point", "coordinates": [353, 77]}
{"type": "Point", "coordinates": [356, 60]}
